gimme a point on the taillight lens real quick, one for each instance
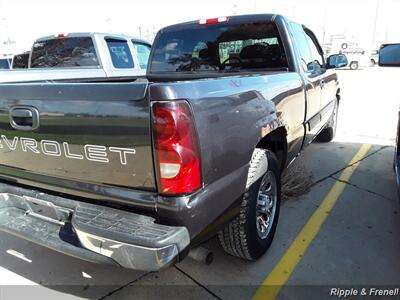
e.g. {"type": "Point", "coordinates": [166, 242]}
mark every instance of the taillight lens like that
{"type": "Point", "coordinates": [176, 148]}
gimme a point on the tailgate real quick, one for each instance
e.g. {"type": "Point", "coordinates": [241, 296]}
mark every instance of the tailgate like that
{"type": "Point", "coordinates": [83, 136]}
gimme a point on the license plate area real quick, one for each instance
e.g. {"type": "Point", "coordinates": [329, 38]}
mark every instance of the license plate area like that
{"type": "Point", "coordinates": [46, 210]}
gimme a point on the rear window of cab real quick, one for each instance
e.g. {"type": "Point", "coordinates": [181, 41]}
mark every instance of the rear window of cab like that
{"type": "Point", "coordinates": [218, 48]}
{"type": "Point", "coordinates": [64, 53]}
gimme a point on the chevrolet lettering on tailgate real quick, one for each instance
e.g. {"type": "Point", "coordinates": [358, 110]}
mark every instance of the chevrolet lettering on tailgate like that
{"type": "Point", "coordinates": [95, 153]}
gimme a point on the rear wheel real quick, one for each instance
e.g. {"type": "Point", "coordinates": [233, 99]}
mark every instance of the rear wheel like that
{"type": "Point", "coordinates": [373, 62]}
{"type": "Point", "coordinates": [354, 65]}
{"type": "Point", "coordinates": [328, 133]}
{"type": "Point", "coordinates": [250, 234]}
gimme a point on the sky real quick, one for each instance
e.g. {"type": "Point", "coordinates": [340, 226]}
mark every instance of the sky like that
{"type": "Point", "coordinates": [22, 21]}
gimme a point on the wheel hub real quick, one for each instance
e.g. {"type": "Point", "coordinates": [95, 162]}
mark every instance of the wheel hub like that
{"type": "Point", "coordinates": [266, 205]}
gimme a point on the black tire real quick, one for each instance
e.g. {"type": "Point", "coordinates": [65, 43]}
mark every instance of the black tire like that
{"type": "Point", "coordinates": [240, 237]}
{"type": "Point", "coordinates": [328, 134]}
{"type": "Point", "coordinates": [354, 65]}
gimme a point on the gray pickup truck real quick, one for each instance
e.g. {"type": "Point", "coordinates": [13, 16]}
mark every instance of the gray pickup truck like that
{"type": "Point", "coordinates": [137, 173]}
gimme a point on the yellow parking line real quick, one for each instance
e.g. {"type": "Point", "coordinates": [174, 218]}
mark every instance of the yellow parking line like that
{"type": "Point", "coordinates": [272, 285]}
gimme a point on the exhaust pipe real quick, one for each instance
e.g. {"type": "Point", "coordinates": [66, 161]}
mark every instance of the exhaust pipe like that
{"type": "Point", "coordinates": [201, 255]}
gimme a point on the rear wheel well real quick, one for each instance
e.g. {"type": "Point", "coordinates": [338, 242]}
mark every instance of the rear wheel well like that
{"type": "Point", "coordinates": [276, 142]}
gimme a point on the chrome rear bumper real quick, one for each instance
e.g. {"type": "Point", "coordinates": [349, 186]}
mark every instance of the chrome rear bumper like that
{"type": "Point", "coordinates": [90, 232]}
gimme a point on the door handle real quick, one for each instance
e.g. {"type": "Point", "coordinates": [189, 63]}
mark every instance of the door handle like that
{"type": "Point", "coordinates": [322, 83]}
{"type": "Point", "coordinates": [24, 118]}
{"type": "Point", "coordinates": [21, 113]}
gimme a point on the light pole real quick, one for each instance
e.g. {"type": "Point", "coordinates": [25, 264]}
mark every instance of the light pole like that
{"type": "Point", "coordinates": [294, 11]}
{"type": "Point", "coordinates": [375, 24]}
{"type": "Point", "coordinates": [108, 24]}
{"type": "Point", "coordinates": [324, 29]}
{"type": "Point", "coordinates": [3, 34]}
{"type": "Point", "coordinates": [1, 10]}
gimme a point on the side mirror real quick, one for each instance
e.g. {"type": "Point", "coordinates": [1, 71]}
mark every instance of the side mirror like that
{"type": "Point", "coordinates": [389, 55]}
{"type": "Point", "coordinates": [337, 61]}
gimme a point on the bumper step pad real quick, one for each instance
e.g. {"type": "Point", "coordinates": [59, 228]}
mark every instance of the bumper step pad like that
{"type": "Point", "coordinates": [134, 241]}
{"type": "Point", "coordinates": [59, 238]}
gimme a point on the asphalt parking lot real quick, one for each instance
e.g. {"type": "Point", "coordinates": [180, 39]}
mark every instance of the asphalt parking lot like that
{"type": "Point", "coordinates": [342, 231]}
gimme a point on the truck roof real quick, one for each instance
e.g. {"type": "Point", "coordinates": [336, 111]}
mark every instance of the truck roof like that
{"type": "Point", "coordinates": [6, 56]}
{"type": "Point", "coordinates": [100, 34]}
{"type": "Point", "coordinates": [236, 18]}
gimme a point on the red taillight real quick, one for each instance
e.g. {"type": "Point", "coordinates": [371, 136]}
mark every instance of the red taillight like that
{"type": "Point", "coordinates": [213, 21]}
{"type": "Point", "coordinates": [61, 35]}
{"type": "Point", "coordinates": [176, 148]}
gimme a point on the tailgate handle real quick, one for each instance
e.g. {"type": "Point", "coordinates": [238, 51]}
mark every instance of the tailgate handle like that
{"type": "Point", "coordinates": [24, 118]}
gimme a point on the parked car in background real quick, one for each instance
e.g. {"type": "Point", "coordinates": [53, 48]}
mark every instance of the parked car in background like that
{"type": "Point", "coordinates": [20, 61]}
{"type": "Point", "coordinates": [374, 57]}
{"type": "Point", "coordinates": [338, 60]}
{"type": "Point", "coordinates": [357, 58]}
{"type": "Point", "coordinates": [83, 56]}
{"type": "Point", "coordinates": [137, 173]}
{"type": "Point", "coordinates": [355, 54]}
{"type": "Point", "coordinates": [5, 62]}
{"type": "Point", "coordinates": [389, 56]}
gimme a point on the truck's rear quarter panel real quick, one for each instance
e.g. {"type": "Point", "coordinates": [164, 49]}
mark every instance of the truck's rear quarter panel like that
{"type": "Point", "coordinates": [231, 115]}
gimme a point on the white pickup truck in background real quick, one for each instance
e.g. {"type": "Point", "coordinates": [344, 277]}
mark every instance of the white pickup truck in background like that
{"type": "Point", "coordinates": [78, 56]}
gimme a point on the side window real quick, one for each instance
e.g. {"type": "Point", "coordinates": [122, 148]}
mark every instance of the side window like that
{"type": "Point", "coordinates": [317, 58]}
{"type": "Point", "coordinates": [4, 64]}
{"type": "Point", "coordinates": [120, 53]}
{"type": "Point", "coordinates": [20, 61]}
{"type": "Point", "coordinates": [307, 60]}
{"type": "Point", "coordinates": [143, 53]}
